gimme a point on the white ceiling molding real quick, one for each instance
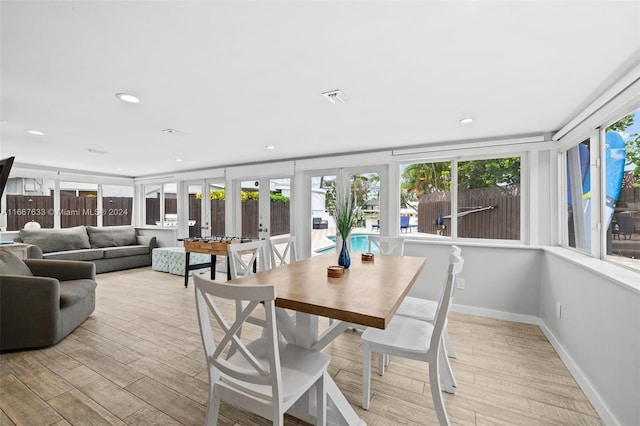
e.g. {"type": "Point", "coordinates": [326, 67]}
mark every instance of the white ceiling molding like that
{"type": "Point", "coordinates": [624, 103]}
{"type": "Point", "coordinates": [516, 143]}
{"type": "Point", "coordinates": [619, 87]}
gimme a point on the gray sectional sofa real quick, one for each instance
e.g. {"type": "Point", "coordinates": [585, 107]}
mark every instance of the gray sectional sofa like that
{"type": "Point", "coordinates": [110, 248]}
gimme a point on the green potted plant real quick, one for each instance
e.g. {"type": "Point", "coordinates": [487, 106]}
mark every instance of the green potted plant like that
{"type": "Point", "coordinates": [344, 214]}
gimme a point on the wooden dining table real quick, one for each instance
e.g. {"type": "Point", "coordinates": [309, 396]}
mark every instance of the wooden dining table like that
{"type": "Point", "coordinates": [368, 294]}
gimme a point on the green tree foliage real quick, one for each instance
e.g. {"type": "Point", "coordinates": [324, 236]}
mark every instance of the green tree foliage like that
{"type": "Point", "coordinates": [426, 178]}
{"type": "Point", "coordinates": [489, 173]}
{"type": "Point", "coordinates": [278, 198]}
{"type": "Point", "coordinates": [364, 189]}
{"type": "Point", "coordinates": [632, 143]}
{"type": "Point", "coordinates": [219, 194]}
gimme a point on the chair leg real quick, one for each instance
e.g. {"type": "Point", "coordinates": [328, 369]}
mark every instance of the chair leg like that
{"type": "Point", "coordinates": [366, 376]}
{"type": "Point", "coordinates": [451, 353]}
{"type": "Point", "coordinates": [381, 363]}
{"type": "Point", "coordinates": [321, 401]}
{"type": "Point", "coordinates": [436, 395]}
{"type": "Point", "coordinates": [446, 374]}
{"type": "Point", "coordinates": [212, 412]}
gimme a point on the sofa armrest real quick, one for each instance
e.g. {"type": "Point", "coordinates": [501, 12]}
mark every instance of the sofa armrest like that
{"type": "Point", "coordinates": [147, 240]}
{"type": "Point", "coordinates": [34, 252]}
{"type": "Point", "coordinates": [63, 270]}
{"type": "Point", "coordinates": [29, 311]}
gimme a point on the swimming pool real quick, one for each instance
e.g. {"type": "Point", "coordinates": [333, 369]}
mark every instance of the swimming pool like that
{"type": "Point", "coordinates": [359, 243]}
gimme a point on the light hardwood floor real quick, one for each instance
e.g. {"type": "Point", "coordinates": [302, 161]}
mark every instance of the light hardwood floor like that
{"type": "Point", "coordinates": [138, 360]}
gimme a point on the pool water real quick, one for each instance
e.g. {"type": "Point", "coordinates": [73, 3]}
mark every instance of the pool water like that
{"type": "Point", "coordinates": [359, 243]}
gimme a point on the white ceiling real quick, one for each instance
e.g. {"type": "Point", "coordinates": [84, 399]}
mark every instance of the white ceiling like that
{"type": "Point", "coordinates": [234, 77]}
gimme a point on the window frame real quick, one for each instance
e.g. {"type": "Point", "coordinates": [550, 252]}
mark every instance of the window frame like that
{"type": "Point", "coordinates": [476, 155]}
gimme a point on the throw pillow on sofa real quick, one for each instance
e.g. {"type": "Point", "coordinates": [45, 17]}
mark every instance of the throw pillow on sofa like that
{"type": "Point", "coordinates": [10, 264]}
{"type": "Point", "coordinates": [50, 240]}
{"type": "Point", "coordinates": [112, 236]}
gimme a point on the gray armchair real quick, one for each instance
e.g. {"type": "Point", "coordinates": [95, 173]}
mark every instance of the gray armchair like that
{"type": "Point", "coordinates": [42, 301]}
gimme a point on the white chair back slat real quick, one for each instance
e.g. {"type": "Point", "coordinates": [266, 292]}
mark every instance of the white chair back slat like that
{"type": "Point", "coordinates": [386, 245]}
{"type": "Point", "coordinates": [243, 257]}
{"type": "Point", "coordinates": [283, 251]}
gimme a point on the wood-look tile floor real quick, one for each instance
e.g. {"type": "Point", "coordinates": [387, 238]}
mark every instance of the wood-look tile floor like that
{"type": "Point", "coordinates": [138, 360]}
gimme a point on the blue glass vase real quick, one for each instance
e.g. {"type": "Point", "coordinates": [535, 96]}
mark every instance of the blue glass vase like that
{"type": "Point", "coordinates": [343, 259]}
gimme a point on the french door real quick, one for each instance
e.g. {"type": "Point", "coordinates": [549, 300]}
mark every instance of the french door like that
{"type": "Point", "coordinates": [206, 208]}
{"type": "Point", "coordinates": [264, 207]}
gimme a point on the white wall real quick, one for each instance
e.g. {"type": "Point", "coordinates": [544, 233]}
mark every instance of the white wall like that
{"type": "Point", "coordinates": [500, 282]}
{"type": "Point", "coordinates": [597, 335]}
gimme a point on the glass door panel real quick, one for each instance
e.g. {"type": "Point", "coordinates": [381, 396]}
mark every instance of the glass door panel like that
{"type": "Point", "coordinates": [280, 206]}
{"type": "Point", "coordinates": [214, 215]}
{"type": "Point", "coordinates": [323, 228]}
{"type": "Point", "coordinates": [250, 208]}
{"type": "Point", "coordinates": [195, 210]}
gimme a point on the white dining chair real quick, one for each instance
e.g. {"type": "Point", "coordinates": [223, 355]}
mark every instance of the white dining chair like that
{"type": "Point", "coordinates": [283, 251]}
{"type": "Point", "coordinates": [425, 310]}
{"type": "Point", "coordinates": [265, 376]}
{"type": "Point", "coordinates": [247, 258]}
{"type": "Point", "coordinates": [414, 339]}
{"type": "Point", "coordinates": [386, 245]}
{"type": "Point", "coordinates": [414, 307]}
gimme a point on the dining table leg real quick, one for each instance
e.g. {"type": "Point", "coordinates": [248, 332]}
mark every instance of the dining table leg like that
{"type": "Point", "coordinates": [339, 411]}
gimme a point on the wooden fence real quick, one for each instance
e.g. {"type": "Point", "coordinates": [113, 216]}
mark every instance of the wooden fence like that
{"type": "Point", "coordinates": [500, 221]}
{"type": "Point", "coordinates": [74, 211]}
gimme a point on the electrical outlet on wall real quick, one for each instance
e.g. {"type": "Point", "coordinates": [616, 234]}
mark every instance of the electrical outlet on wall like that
{"type": "Point", "coordinates": [460, 283]}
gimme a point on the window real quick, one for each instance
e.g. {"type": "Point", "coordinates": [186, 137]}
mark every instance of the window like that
{"type": "Point", "coordinates": [622, 189]}
{"type": "Point", "coordinates": [161, 204]}
{"type": "Point", "coordinates": [489, 199]}
{"type": "Point", "coordinates": [425, 192]}
{"type": "Point", "coordinates": [78, 204]}
{"type": "Point", "coordinates": [117, 205]}
{"type": "Point", "coordinates": [579, 197]}
{"type": "Point", "coordinates": [366, 189]}
{"type": "Point", "coordinates": [486, 203]}
{"type": "Point", "coordinates": [29, 200]}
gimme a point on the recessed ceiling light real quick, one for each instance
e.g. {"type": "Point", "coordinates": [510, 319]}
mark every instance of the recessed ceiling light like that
{"type": "Point", "coordinates": [35, 132]}
{"type": "Point", "coordinates": [466, 120]}
{"type": "Point", "coordinates": [119, 169]}
{"type": "Point", "coordinates": [125, 97]}
{"type": "Point", "coordinates": [179, 160]}
{"type": "Point", "coordinates": [270, 147]}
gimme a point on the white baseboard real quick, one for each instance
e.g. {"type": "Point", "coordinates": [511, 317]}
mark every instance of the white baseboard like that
{"type": "Point", "coordinates": [490, 313]}
{"type": "Point", "coordinates": [600, 406]}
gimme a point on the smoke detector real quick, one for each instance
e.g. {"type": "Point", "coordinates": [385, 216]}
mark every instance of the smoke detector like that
{"type": "Point", "coordinates": [335, 97]}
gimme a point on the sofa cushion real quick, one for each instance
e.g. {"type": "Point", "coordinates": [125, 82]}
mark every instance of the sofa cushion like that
{"type": "Point", "coordinates": [86, 254]}
{"type": "Point", "coordinates": [73, 291]}
{"type": "Point", "coordinates": [113, 252]}
{"type": "Point", "coordinates": [10, 264]}
{"type": "Point", "coordinates": [50, 240]}
{"type": "Point", "coordinates": [112, 236]}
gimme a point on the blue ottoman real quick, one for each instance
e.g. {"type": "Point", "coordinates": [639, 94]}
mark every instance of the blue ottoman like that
{"type": "Point", "coordinates": [172, 260]}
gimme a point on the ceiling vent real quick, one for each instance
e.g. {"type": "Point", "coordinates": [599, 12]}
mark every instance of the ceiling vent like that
{"type": "Point", "coordinates": [95, 151]}
{"type": "Point", "coordinates": [335, 97]}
